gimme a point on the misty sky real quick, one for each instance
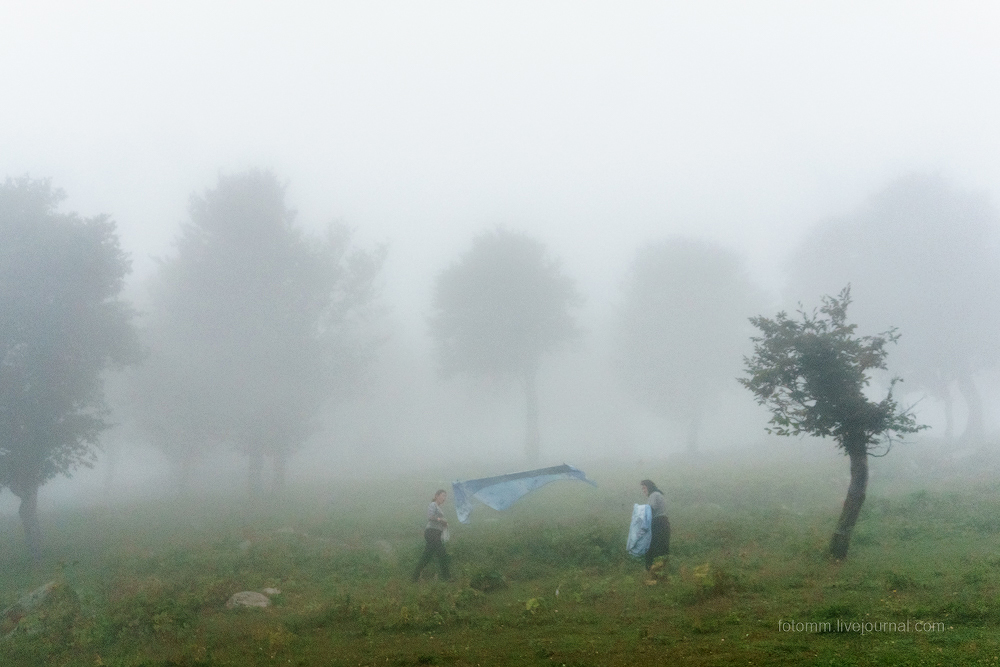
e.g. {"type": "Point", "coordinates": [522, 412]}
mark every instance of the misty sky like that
{"type": "Point", "coordinates": [597, 126]}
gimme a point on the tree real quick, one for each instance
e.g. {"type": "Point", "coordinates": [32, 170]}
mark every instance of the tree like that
{"type": "Point", "coordinates": [62, 326]}
{"type": "Point", "coordinates": [923, 250]}
{"type": "Point", "coordinates": [170, 404]}
{"type": "Point", "coordinates": [499, 309]}
{"type": "Point", "coordinates": [254, 325]}
{"type": "Point", "coordinates": [682, 327]}
{"type": "Point", "coordinates": [812, 374]}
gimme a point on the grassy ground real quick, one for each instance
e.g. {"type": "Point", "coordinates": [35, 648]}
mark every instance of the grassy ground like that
{"type": "Point", "coordinates": [545, 583]}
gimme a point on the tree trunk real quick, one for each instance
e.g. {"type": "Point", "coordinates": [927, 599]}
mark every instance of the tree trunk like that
{"type": "Point", "coordinates": [28, 511]}
{"type": "Point", "coordinates": [531, 436]}
{"type": "Point", "coordinates": [255, 473]}
{"type": "Point", "coordinates": [280, 470]}
{"type": "Point", "coordinates": [185, 472]}
{"type": "Point", "coordinates": [949, 417]}
{"type": "Point", "coordinates": [940, 388]}
{"type": "Point", "coordinates": [111, 468]}
{"type": "Point", "coordinates": [692, 435]}
{"type": "Point", "coordinates": [858, 453]}
{"type": "Point", "coordinates": [974, 427]}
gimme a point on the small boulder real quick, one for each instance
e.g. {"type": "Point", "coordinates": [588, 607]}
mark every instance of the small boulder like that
{"type": "Point", "coordinates": [248, 599]}
{"type": "Point", "coordinates": [271, 591]}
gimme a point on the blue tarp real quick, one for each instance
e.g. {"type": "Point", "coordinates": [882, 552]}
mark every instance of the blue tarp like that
{"type": "Point", "coordinates": [502, 491]}
{"type": "Point", "coordinates": [640, 530]}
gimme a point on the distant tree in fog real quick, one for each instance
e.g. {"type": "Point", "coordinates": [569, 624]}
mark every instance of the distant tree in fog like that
{"type": "Point", "coordinates": [499, 309]}
{"type": "Point", "coordinates": [61, 326]}
{"type": "Point", "coordinates": [254, 325]}
{"type": "Point", "coordinates": [682, 327]}
{"type": "Point", "coordinates": [921, 254]}
{"type": "Point", "coordinates": [171, 399]}
{"type": "Point", "coordinates": [812, 373]}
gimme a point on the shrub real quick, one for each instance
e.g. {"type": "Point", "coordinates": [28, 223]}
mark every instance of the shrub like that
{"type": "Point", "coordinates": [488, 580]}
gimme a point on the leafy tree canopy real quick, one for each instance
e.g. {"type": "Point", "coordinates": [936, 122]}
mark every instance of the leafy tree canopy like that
{"type": "Point", "coordinates": [255, 324]}
{"type": "Point", "coordinates": [62, 325]}
{"type": "Point", "coordinates": [813, 372]}
{"type": "Point", "coordinates": [501, 307]}
{"type": "Point", "coordinates": [682, 327]}
{"type": "Point", "coordinates": [926, 252]}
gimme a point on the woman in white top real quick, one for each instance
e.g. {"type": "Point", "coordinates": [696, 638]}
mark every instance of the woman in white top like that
{"type": "Point", "coordinates": [659, 540]}
{"type": "Point", "coordinates": [433, 544]}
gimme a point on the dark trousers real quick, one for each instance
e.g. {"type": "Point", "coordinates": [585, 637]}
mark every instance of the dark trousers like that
{"type": "Point", "coordinates": [433, 546]}
{"type": "Point", "coordinates": [659, 539]}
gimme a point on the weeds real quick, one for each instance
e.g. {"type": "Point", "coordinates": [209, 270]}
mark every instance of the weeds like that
{"type": "Point", "coordinates": [528, 587]}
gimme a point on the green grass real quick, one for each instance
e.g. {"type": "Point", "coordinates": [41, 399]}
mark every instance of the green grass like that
{"type": "Point", "coordinates": [546, 583]}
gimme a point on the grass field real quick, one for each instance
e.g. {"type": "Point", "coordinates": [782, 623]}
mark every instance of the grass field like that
{"type": "Point", "coordinates": [546, 583]}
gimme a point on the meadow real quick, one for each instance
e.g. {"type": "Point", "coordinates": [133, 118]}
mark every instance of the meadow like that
{"type": "Point", "coordinates": [545, 583]}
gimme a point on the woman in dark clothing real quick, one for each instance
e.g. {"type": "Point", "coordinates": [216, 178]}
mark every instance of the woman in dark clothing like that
{"type": "Point", "coordinates": [433, 533]}
{"type": "Point", "coordinates": [659, 542]}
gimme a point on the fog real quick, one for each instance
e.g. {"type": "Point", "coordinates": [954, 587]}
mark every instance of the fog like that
{"type": "Point", "coordinates": [595, 129]}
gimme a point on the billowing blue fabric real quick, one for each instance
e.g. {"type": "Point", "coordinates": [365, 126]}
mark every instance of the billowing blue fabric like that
{"type": "Point", "coordinates": [504, 490]}
{"type": "Point", "coordinates": [641, 530]}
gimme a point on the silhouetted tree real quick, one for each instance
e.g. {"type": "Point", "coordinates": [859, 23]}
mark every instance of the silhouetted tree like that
{"type": "Point", "coordinates": [812, 374]}
{"type": "Point", "coordinates": [172, 401]}
{"type": "Point", "coordinates": [254, 325]}
{"type": "Point", "coordinates": [61, 326]}
{"type": "Point", "coordinates": [682, 327]}
{"type": "Point", "coordinates": [499, 309]}
{"type": "Point", "coordinates": [925, 252]}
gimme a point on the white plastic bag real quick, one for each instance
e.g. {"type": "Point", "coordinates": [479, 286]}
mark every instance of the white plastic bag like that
{"type": "Point", "coordinates": [640, 530]}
